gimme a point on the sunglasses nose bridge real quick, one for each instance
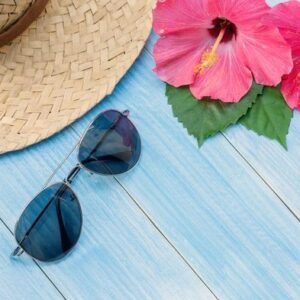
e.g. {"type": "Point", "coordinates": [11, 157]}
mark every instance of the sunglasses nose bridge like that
{"type": "Point", "coordinates": [69, 179]}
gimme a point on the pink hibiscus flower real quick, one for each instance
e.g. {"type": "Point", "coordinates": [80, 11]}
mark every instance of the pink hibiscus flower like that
{"type": "Point", "coordinates": [286, 16]}
{"type": "Point", "coordinates": [217, 46]}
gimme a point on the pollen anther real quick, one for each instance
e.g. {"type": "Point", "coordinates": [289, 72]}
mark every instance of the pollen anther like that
{"type": "Point", "coordinates": [208, 59]}
{"type": "Point", "coordinates": [209, 56]}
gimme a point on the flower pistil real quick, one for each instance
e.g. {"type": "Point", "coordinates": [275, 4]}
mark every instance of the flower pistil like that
{"type": "Point", "coordinates": [209, 56]}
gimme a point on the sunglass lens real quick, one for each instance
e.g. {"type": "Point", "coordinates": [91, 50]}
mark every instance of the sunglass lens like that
{"type": "Point", "coordinates": [111, 145]}
{"type": "Point", "coordinates": [50, 226]}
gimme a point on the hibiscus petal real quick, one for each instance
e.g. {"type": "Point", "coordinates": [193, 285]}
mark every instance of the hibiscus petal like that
{"type": "Point", "coordinates": [243, 13]}
{"type": "Point", "coordinates": [285, 16]}
{"type": "Point", "coordinates": [266, 54]}
{"type": "Point", "coordinates": [175, 15]}
{"type": "Point", "coordinates": [177, 54]}
{"type": "Point", "coordinates": [228, 79]}
{"type": "Point", "coordinates": [291, 87]}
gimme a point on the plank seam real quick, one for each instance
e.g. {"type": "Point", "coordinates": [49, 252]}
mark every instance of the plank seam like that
{"type": "Point", "coordinates": [251, 166]}
{"type": "Point", "coordinates": [262, 178]}
{"type": "Point", "coordinates": [136, 203]}
{"type": "Point", "coordinates": [166, 238]}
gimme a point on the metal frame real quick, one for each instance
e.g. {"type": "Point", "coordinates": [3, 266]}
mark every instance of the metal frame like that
{"type": "Point", "coordinates": [68, 181]}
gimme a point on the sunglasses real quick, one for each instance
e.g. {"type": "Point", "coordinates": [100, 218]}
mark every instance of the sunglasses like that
{"type": "Point", "coordinates": [50, 225]}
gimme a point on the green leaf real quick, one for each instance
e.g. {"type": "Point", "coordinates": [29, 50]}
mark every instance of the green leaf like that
{"type": "Point", "coordinates": [270, 116]}
{"type": "Point", "coordinates": [206, 118]}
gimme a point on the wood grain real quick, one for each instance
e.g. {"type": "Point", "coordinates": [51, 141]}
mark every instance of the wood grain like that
{"type": "Point", "coordinates": [211, 205]}
{"type": "Point", "coordinates": [120, 254]}
{"type": "Point", "coordinates": [278, 168]}
{"type": "Point", "coordinates": [21, 279]}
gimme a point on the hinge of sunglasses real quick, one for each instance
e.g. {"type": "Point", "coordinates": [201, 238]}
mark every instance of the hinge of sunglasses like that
{"type": "Point", "coordinates": [17, 252]}
{"type": "Point", "coordinates": [126, 113]}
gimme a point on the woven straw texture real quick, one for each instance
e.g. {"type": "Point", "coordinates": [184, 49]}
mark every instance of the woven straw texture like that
{"type": "Point", "coordinates": [69, 59]}
{"type": "Point", "coordinates": [11, 10]}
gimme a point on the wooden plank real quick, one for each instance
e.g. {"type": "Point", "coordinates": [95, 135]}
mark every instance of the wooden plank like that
{"type": "Point", "coordinates": [277, 168]}
{"type": "Point", "coordinates": [209, 203]}
{"type": "Point", "coordinates": [21, 280]}
{"type": "Point", "coordinates": [120, 255]}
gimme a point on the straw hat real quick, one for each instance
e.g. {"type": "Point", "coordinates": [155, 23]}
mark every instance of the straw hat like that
{"type": "Point", "coordinates": [70, 57]}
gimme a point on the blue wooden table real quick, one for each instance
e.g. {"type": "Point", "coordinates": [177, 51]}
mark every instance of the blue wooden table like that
{"type": "Point", "coordinates": [221, 222]}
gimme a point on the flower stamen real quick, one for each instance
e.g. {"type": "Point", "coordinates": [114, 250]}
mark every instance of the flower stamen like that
{"type": "Point", "coordinates": [209, 56]}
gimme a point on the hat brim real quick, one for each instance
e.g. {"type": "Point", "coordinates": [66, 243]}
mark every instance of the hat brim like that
{"type": "Point", "coordinates": [69, 59]}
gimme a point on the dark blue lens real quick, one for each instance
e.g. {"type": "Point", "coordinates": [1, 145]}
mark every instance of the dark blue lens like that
{"type": "Point", "coordinates": [50, 226]}
{"type": "Point", "coordinates": [111, 145]}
